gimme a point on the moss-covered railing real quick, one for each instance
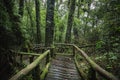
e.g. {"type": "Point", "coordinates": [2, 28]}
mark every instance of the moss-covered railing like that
{"type": "Point", "coordinates": [21, 74]}
{"type": "Point", "coordinates": [94, 67]}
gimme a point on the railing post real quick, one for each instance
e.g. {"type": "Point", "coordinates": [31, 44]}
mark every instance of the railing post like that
{"type": "Point", "coordinates": [73, 51]}
{"type": "Point", "coordinates": [33, 71]}
{"type": "Point", "coordinates": [21, 60]}
{"type": "Point", "coordinates": [51, 52]}
{"type": "Point", "coordinates": [92, 74]}
{"type": "Point", "coordinates": [36, 71]}
{"type": "Point", "coordinates": [31, 59]}
{"type": "Point", "coordinates": [48, 57]}
{"type": "Point", "coordinates": [54, 51]}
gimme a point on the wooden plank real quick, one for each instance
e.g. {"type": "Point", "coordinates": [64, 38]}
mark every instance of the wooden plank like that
{"type": "Point", "coordinates": [63, 68]}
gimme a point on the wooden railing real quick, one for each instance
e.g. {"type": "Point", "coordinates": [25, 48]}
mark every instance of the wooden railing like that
{"type": "Point", "coordinates": [31, 66]}
{"type": "Point", "coordinates": [41, 47]}
{"type": "Point", "coordinates": [94, 67]}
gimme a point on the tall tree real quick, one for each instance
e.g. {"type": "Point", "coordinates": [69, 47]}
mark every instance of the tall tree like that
{"type": "Point", "coordinates": [37, 4]}
{"type": "Point", "coordinates": [31, 19]}
{"type": "Point", "coordinates": [49, 23]}
{"type": "Point", "coordinates": [15, 21]}
{"type": "Point", "coordinates": [10, 37]}
{"type": "Point", "coordinates": [70, 21]}
{"type": "Point", "coordinates": [68, 3]}
{"type": "Point", "coordinates": [78, 13]}
{"type": "Point", "coordinates": [75, 29]}
{"type": "Point", "coordinates": [38, 37]}
{"type": "Point", "coordinates": [111, 24]}
{"type": "Point", "coordinates": [88, 14]}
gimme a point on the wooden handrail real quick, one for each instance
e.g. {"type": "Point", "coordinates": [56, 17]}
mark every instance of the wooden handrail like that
{"type": "Point", "coordinates": [30, 67]}
{"type": "Point", "coordinates": [45, 71]}
{"type": "Point", "coordinates": [66, 44]}
{"type": "Point", "coordinates": [25, 53]}
{"type": "Point", "coordinates": [83, 75]}
{"type": "Point", "coordinates": [95, 66]}
{"type": "Point", "coordinates": [41, 47]}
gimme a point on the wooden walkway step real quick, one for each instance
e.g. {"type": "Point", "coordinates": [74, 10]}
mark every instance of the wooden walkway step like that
{"type": "Point", "coordinates": [63, 68]}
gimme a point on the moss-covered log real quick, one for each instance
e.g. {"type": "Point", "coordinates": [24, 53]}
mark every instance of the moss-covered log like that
{"type": "Point", "coordinates": [30, 67]}
{"type": "Point", "coordinates": [96, 67]}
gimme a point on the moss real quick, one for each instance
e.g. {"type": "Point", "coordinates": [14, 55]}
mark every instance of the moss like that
{"type": "Point", "coordinates": [45, 72]}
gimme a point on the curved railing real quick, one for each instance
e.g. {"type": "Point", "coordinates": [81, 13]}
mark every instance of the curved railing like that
{"type": "Point", "coordinates": [95, 67]}
{"type": "Point", "coordinates": [31, 66]}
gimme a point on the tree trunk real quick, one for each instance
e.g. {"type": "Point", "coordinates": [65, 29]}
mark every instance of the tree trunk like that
{"type": "Point", "coordinates": [76, 35]}
{"type": "Point", "coordinates": [49, 23]}
{"type": "Point", "coordinates": [38, 38]}
{"type": "Point", "coordinates": [31, 20]}
{"type": "Point", "coordinates": [75, 30]}
{"type": "Point", "coordinates": [88, 11]}
{"type": "Point", "coordinates": [10, 37]}
{"type": "Point", "coordinates": [68, 4]}
{"type": "Point", "coordinates": [78, 13]}
{"type": "Point", "coordinates": [70, 21]}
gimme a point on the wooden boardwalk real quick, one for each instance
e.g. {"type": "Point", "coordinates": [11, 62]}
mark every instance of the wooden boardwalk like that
{"type": "Point", "coordinates": [63, 68]}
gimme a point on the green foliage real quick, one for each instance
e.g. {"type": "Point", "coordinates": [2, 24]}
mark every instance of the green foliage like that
{"type": "Point", "coordinates": [111, 24]}
{"type": "Point", "coordinates": [110, 57]}
{"type": "Point", "coordinates": [10, 31]}
{"type": "Point", "coordinates": [60, 27]}
{"type": "Point", "coordinates": [99, 44]}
